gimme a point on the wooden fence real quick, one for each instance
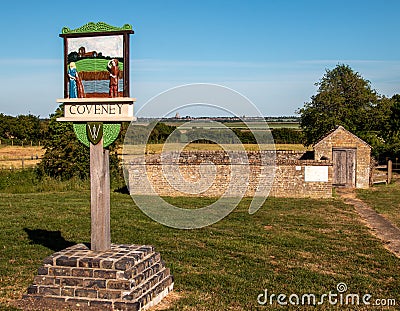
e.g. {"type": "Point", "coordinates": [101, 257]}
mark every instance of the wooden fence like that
{"type": "Point", "coordinates": [19, 163]}
{"type": "Point", "coordinates": [22, 143]}
{"type": "Point", "coordinates": [383, 173]}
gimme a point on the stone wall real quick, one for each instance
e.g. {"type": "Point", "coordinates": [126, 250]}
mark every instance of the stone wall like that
{"type": "Point", "coordinates": [290, 180]}
{"type": "Point", "coordinates": [214, 173]}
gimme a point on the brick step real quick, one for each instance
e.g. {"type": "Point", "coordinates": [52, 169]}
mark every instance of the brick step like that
{"type": "Point", "coordinates": [104, 284]}
{"type": "Point", "coordinates": [146, 295]}
{"type": "Point", "coordinates": [154, 295]}
{"type": "Point", "coordinates": [140, 291]}
{"type": "Point", "coordinates": [129, 275]}
{"type": "Point", "coordinates": [123, 258]}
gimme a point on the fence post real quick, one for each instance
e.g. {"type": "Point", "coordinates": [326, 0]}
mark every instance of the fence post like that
{"type": "Point", "coordinates": [389, 173]}
{"type": "Point", "coordinates": [100, 197]}
{"type": "Point", "coordinates": [22, 162]}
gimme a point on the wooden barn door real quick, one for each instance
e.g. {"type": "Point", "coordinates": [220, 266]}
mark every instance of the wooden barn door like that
{"type": "Point", "coordinates": [344, 167]}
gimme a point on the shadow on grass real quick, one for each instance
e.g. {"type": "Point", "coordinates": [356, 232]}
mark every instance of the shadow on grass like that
{"type": "Point", "coordinates": [122, 190]}
{"type": "Point", "coordinates": [50, 239]}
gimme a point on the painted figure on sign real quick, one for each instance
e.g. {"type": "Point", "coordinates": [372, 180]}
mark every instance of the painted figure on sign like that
{"type": "Point", "coordinates": [72, 75]}
{"type": "Point", "coordinates": [75, 83]}
{"type": "Point", "coordinates": [113, 69]}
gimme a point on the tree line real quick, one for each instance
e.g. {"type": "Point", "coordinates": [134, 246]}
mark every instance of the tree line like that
{"type": "Point", "coordinates": [160, 132]}
{"type": "Point", "coordinates": [22, 129]}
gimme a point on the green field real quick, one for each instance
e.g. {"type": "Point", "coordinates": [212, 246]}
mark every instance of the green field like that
{"type": "Point", "coordinates": [94, 64]}
{"type": "Point", "coordinates": [238, 125]}
{"type": "Point", "coordinates": [158, 148]}
{"type": "Point", "coordinates": [290, 246]}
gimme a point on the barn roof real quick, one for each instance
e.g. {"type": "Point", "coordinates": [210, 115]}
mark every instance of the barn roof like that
{"type": "Point", "coordinates": [336, 129]}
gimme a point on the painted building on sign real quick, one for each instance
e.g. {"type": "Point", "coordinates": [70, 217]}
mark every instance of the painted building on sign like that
{"type": "Point", "coordinates": [97, 62]}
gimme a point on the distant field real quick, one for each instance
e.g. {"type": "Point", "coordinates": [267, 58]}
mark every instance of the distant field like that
{"type": "Point", "coordinates": [240, 125]}
{"type": "Point", "coordinates": [248, 147]}
{"type": "Point", "coordinates": [158, 148]}
{"type": "Point", "coordinates": [11, 156]}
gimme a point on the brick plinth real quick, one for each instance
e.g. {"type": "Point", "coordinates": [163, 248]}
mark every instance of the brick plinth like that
{"type": "Point", "coordinates": [128, 277]}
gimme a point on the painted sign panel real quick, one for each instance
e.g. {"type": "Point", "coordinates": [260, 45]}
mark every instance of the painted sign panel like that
{"type": "Point", "coordinates": [95, 66]}
{"type": "Point", "coordinates": [316, 173]}
{"type": "Point", "coordinates": [96, 61]}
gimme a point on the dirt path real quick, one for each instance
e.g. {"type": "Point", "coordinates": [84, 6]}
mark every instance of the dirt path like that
{"type": "Point", "coordinates": [379, 225]}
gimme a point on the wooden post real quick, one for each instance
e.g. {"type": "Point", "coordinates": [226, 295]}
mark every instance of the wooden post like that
{"type": "Point", "coordinates": [389, 172]}
{"type": "Point", "coordinates": [100, 197]}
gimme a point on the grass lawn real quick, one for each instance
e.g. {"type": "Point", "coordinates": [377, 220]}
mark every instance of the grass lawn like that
{"type": "Point", "coordinates": [290, 246]}
{"type": "Point", "coordinates": [385, 199]}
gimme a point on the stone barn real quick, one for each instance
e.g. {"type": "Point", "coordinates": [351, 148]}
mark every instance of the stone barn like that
{"type": "Point", "coordinates": [350, 156]}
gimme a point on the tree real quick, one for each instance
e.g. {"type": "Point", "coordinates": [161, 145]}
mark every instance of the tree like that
{"type": "Point", "coordinates": [7, 126]}
{"type": "Point", "coordinates": [344, 98]}
{"type": "Point", "coordinates": [23, 128]}
{"type": "Point", "coordinates": [28, 128]}
{"type": "Point", "coordinates": [160, 132]}
{"type": "Point", "coordinates": [394, 120]}
{"type": "Point", "coordinates": [287, 136]}
{"type": "Point", "coordinates": [391, 132]}
{"type": "Point", "coordinates": [65, 156]}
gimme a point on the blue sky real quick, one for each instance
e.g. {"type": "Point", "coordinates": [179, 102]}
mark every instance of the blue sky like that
{"type": "Point", "coordinates": [270, 51]}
